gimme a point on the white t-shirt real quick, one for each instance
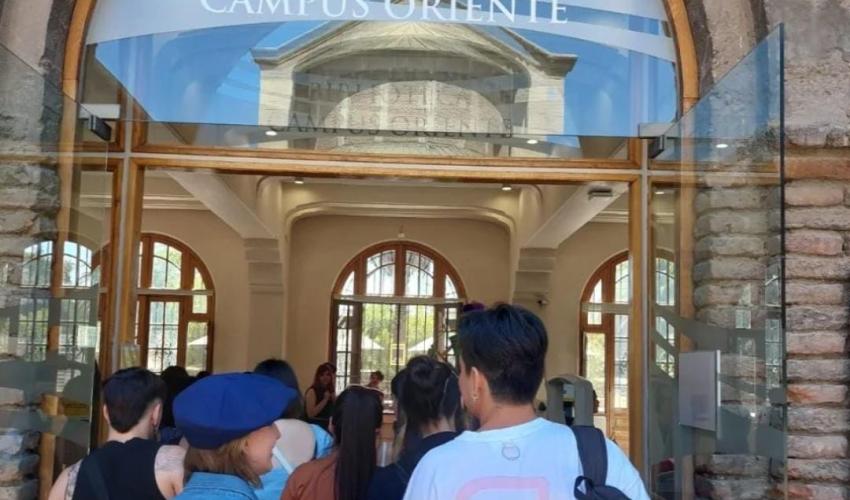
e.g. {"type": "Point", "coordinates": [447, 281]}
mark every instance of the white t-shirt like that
{"type": "Point", "coordinates": [533, 461]}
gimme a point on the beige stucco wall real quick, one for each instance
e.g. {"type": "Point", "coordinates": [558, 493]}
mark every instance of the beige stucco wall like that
{"type": "Point", "coordinates": [221, 250]}
{"type": "Point", "coordinates": [577, 259]}
{"type": "Point", "coordinates": [321, 246]}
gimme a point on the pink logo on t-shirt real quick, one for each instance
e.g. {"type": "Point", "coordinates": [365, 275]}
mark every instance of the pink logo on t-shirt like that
{"type": "Point", "coordinates": [539, 486]}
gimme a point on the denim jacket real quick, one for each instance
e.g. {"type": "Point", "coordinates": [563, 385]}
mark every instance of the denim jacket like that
{"type": "Point", "coordinates": [205, 486]}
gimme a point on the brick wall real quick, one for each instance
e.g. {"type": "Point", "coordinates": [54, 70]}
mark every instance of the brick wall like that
{"type": "Point", "coordinates": [818, 275]}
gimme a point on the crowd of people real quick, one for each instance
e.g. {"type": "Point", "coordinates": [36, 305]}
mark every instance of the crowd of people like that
{"type": "Point", "coordinates": [462, 432]}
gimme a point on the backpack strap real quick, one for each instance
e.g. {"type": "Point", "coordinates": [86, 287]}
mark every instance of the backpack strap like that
{"type": "Point", "coordinates": [593, 452]}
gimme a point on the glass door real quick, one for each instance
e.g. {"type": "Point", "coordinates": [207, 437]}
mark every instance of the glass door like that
{"type": "Point", "coordinates": [56, 189]}
{"type": "Point", "coordinates": [716, 385]}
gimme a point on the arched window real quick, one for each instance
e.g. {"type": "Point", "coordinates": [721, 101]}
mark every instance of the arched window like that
{"type": "Point", "coordinates": [174, 315]}
{"type": "Point", "coordinates": [76, 315]}
{"type": "Point", "coordinates": [605, 336]}
{"type": "Point", "coordinates": [391, 302]}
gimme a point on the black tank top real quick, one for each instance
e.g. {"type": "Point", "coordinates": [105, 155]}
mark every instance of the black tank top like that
{"type": "Point", "coordinates": [124, 471]}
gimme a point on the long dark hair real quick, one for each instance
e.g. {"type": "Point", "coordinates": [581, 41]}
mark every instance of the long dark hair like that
{"type": "Point", "coordinates": [281, 370]}
{"type": "Point", "coordinates": [321, 370]}
{"type": "Point", "coordinates": [356, 417]}
{"type": "Point", "coordinates": [430, 391]}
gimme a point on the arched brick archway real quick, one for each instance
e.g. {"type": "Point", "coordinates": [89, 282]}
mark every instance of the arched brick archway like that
{"type": "Point", "coordinates": [49, 35]}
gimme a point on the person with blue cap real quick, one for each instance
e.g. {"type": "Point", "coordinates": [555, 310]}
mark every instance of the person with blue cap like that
{"type": "Point", "coordinates": [228, 422]}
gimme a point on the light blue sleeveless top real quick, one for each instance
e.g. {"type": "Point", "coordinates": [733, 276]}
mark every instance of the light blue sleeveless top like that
{"type": "Point", "coordinates": [275, 480]}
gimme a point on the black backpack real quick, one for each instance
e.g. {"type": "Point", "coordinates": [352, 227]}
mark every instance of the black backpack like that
{"type": "Point", "coordinates": [594, 463]}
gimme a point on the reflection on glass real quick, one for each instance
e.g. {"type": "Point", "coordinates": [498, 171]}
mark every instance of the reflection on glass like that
{"type": "Point", "coordinates": [162, 335]}
{"type": "Point", "coordinates": [723, 293]}
{"type": "Point", "coordinates": [508, 89]}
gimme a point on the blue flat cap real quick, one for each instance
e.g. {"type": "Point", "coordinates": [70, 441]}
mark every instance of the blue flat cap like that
{"type": "Point", "coordinates": [220, 408]}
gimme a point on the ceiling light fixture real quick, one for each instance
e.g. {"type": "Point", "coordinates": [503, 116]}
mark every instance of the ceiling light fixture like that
{"type": "Point", "coordinates": [299, 180]}
{"type": "Point", "coordinates": [507, 187]}
{"type": "Point", "coordinates": [271, 133]}
{"type": "Point", "coordinates": [532, 141]}
{"type": "Point", "coordinates": [721, 145]}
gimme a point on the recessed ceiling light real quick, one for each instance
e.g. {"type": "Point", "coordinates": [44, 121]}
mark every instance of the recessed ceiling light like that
{"type": "Point", "coordinates": [507, 187]}
{"type": "Point", "coordinates": [532, 141]}
{"type": "Point", "coordinates": [721, 145]}
{"type": "Point", "coordinates": [660, 191]}
{"type": "Point", "coordinates": [299, 180]}
{"type": "Point", "coordinates": [271, 133]}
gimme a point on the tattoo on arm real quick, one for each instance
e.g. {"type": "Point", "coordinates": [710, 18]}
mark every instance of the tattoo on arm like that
{"type": "Point", "coordinates": [72, 480]}
{"type": "Point", "coordinates": [169, 459]}
{"type": "Point", "coordinates": [168, 470]}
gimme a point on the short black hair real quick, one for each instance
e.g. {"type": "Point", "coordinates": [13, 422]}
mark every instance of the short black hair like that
{"type": "Point", "coordinates": [379, 374]}
{"type": "Point", "coordinates": [430, 391]}
{"type": "Point", "coordinates": [128, 394]}
{"type": "Point", "coordinates": [507, 344]}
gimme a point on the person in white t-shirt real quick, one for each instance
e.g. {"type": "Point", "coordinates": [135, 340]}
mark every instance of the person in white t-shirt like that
{"type": "Point", "coordinates": [514, 454]}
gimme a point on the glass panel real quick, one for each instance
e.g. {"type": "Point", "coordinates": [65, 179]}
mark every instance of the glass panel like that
{"type": "Point", "coordinates": [199, 304]}
{"type": "Point", "coordinates": [35, 271]}
{"type": "Point", "coordinates": [526, 80]}
{"type": "Point", "coordinates": [419, 275]}
{"type": "Point", "coordinates": [595, 317]}
{"type": "Point", "coordinates": [622, 285]}
{"type": "Point", "coordinates": [198, 282]}
{"type": "Point", "coordinates": [163, 335]}
{"type": "Point", "coordinates": [448, 325]}
{"type": "Point", "coordinates": [166, 267]}
{"type": "Point", "coordinates": [348, 286]}
{"type": "Point", "coordinates": [665, 282]}
{"type": "Point", "coordinates": [48, 312]}
{"type": "Point", "coordinates": [621, 361]}
{"type": "Point", "coordinates": [344, 338]}
{"type": "Point", "coordinates": [717, 387]}
{"type": "Point", "coordinates": [380, 348]}
{"type": "Point", "coordinates": [417, 331]}
{"type": "Point", "coordinates": [380, 274]}
{"type": "Point", "coordinates": [595, 368]}
{"type": "Point", "coordinates": [196, 347]}
{"type": "Point", "coordinates": [451, 290]}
